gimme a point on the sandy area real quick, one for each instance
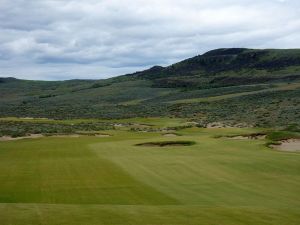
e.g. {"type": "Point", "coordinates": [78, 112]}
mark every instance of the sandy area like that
{"type": "Point", "coordinates": [223, 125]}
{"type": "Point", "coordinates": [252, 137]}
{"type": "Point", "coordinates": [66, 135]}
{"type": "Point", "coordinates": [118, 125]}
{"type": "Point", "coordinates": [239, 138]}
{"type": "Point", "coordinates": [170, 135]}
{"type": "Point", "coordinates": [102, 135]}
{"type": "Point", "coordinates": [215, 125]}
{"type": "Point", "coordinates": [8, 138]}
{"type": "Point", "coordinates": [291, 145]}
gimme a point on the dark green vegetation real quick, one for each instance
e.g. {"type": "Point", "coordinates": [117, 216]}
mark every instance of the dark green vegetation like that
{"type": "Point", "coordinates": [282, 135]}
{"type": "Point", "coordinates": [111, 181]}
{"type": "Point", "coordinates": [167, 143]}
{"type": "Point", "coordinates": [253, 87]}
{"type": "Point", "coordinates": [22, 128]}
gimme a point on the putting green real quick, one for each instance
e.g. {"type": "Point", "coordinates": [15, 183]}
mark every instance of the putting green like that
{"type": "Point", "coordinates": [110, 180]}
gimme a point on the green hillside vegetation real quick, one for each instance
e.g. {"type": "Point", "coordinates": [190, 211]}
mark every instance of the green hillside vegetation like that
{"type": "Point", "coordinates": [255, 87]}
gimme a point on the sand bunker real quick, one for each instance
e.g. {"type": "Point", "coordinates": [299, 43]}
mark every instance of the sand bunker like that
{"type": "Point", "coordinates": [224, 125]}
{"type": "Point", "coordinates": [9, 138]}
{"type": "Point", "coordinates": [167, 143]}
{"type": "Point", "coordinates": [291, 145]}
{"type": "Point", "coordinates": [80, 135]}
{"type": "Point", "coordinates": [239, 138]}
{"type": "Point", "coordinates": [170, 135]}
{"type": "Point", "coordinates": [66, 135]}
{"type": "Point", "coordinates": [102, 135]}
{"type": "Point", "coordinates": [257, 136]}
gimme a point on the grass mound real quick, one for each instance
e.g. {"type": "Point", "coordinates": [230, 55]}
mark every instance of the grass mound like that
{"type": "Point", "coordinates": [283, 140]}
{"type": "Point", "coordinates": [259, 135]}
{"type": "Point", "coordinates": [282, 135]}
{"type": "Point", "coordinates": [167, 143]}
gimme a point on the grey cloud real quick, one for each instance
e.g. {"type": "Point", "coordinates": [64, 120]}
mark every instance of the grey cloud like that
{"type": "Point", "coordinates": [61, 39]}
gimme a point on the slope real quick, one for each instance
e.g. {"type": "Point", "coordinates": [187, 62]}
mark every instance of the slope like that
{"type": "Point", "coordinates": [244, 74]}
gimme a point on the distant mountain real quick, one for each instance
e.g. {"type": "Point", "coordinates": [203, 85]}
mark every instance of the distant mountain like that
{"type": "Point", "coordinates": [237, 85]}
{"type": "Point", "coordinates": [226, 67]}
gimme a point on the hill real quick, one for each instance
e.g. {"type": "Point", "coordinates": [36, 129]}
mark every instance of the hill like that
{"type": "Point", "coordinates": [237, 85]}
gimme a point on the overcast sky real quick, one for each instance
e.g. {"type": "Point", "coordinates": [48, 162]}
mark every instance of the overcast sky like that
{"type": "Point", "coordinates": [94, 39]}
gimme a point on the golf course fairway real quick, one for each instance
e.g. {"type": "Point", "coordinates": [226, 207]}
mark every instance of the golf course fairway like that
{"type": "Point", "coordinates": [114, 181]}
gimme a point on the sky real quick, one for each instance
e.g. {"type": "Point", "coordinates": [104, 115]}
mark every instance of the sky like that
{"type": "Point", "coordinates": [97, 39]}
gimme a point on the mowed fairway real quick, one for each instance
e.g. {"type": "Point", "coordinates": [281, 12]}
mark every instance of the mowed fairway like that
{"type": "Point", "coordinates": [110, 181]}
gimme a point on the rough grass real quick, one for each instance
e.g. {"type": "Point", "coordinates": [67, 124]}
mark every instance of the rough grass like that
{"type": "Point", "coordinates": [89, 180]}
{"type": "Point", "coordinates": [282, 135]}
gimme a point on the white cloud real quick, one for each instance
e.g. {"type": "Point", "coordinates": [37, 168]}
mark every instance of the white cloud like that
{"type": "Point", "coordinates": [60, 39]}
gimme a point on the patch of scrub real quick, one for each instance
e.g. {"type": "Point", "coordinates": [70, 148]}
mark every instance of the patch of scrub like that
{"type": "Point", "coordinates": [290, 145]}
{"type": "Point", "coordinates": [167, 143]}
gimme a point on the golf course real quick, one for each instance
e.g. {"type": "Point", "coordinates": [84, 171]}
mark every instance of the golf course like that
{"type": "Point", "coordinates": [163, 112]}
{"type": "Point", "coordinates": [192, 176]}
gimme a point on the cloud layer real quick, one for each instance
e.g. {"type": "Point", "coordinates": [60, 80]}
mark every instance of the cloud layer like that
{"type": "Point", "coordinates": [66, 39]}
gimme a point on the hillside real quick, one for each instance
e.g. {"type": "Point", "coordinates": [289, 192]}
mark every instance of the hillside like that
{"type": "Point", "coordinates": [254, 87]}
